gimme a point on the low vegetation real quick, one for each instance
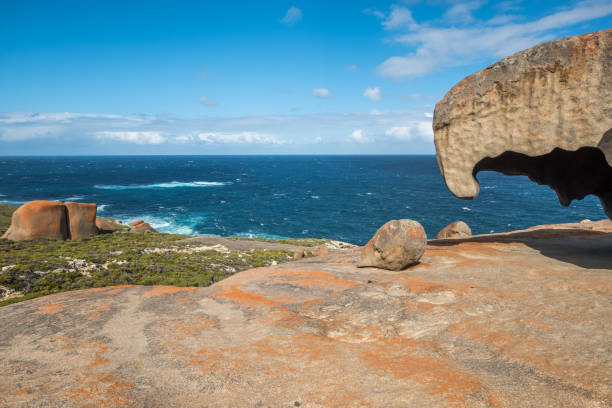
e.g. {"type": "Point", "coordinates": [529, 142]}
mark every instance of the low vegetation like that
{"type": "Point", "coordinates": [30, 269]}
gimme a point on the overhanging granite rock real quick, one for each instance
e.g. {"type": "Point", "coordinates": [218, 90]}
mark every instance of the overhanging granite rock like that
{"type": "Point", "coordinates": [545, 112]}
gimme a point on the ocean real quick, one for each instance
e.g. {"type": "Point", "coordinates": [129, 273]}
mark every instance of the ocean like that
{"type": "Point", "coordinates": [339, 197]}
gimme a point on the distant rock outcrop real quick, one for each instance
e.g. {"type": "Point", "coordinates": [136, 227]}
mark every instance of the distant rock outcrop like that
{"type": "Point", "coordinates": [457, 229]}
{"type": "Point", "coordinates": [81, 219]}
{"type": "Point", "coordinates": [38, 219]}
{"type": "Point", "coordinates": [141, 226]}
{"type": "Point", "coordinates": [396, 245]}
{"type": "Point", "coordinates": [545, 112]}
{"type": "Point", "coordinates": [106, 227]}
{"type": "Point", "coordinates": [52, 220]}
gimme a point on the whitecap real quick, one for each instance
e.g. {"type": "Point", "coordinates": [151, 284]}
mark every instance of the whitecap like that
{"type": "Point", "coordinates": [171, 184]}
{"type": "Point", "coordinates": [102, 207]}
{"type": "Point", "coordinates": [315, 197]}
{"type": "Point", "coordinates": [466, 209]}
{"type": "Point", "coordinates": [11, 202]}
{"type": "Point", "coordinates": [74, 198]}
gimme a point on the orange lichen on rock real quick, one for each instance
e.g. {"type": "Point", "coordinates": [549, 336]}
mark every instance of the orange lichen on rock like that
{"type": "Point", "coordinates": [50, 309]}
{"type": "Point", "coordinates": [421, 362]}
{"type": "Point", "coordinates": [100, 391]}
{"type": "Point", "coordinates": [236, 294]}
{"type": "Point", "coordinates": [168, 290]}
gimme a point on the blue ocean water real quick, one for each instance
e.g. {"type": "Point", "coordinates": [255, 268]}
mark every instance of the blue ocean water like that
{"type": "Point", "coordinates": [340, 197]}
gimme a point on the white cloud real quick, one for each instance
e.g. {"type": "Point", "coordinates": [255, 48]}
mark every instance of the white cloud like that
{"type": "Point", "coordinates": [132, 137]}
{"type": "Point", "coordinates": [357, 136]}
{"type": "Point", "coordinates": [351, 68]}
{"type": "Point", "coordinates": [399, 17]}
{"type": "Point", "coordinates": [238, 138]}
{"type": "Point", "coordinates": [60, 117]}
{"type": "Point", "coordinates": [461, 13]}
{"type": "Point", "coordinates": [373, 94]}
{"type": "Point", "coordinates": [429, 115]}
{"type": "Point", "coordinates": [207, 101]}
{"type": "Point", "coordinates": [322, 93]}
{"type": "Point", "coordinates": [374, 12]}
{"type": "Point", "coordinates": [439, 47]}
{"type": "Point", "coordinates": [22, 133]}
{"type": "Point", "coordinates": [292, 16]}
{"type": "Point", "coordinates": [74, 133]}
{"type": "Point", "coordinates": [414, 131]}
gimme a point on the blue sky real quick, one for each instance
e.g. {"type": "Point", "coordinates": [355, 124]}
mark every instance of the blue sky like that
{"type": "Point", "coordinates": [244, 77]}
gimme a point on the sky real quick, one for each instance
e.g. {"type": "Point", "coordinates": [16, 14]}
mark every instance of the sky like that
{"type": "Point", "coordinates": [245, 77]}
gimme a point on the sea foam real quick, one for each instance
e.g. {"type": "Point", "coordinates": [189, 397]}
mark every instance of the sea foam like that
{"type": "Point", "coordinates": [171, 184]}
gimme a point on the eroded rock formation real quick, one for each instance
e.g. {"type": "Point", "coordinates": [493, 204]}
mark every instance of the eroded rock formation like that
{"type": "Point", "coordinates": [141, 226]}
{"type": "Point", "coordinates": [545, 112]}
{"type": "Point", "coordinates": [38, 219]}
{"type": "Point", "coordinates": [52, 220]}
{"type": "Point", "coordinates": [81, 219]}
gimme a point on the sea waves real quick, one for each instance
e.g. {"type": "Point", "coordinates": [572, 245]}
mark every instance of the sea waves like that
{"type": "Point", "coordinates": [171, 184]}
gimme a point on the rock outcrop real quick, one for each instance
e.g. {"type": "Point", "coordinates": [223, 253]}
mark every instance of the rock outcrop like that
{"type": "Point", "coordinates": [395, 246]}
{"type": "Point", "coordinates": [141, 226]}
{"type": "Point", "coordinates": [106, 227]}
{"type": "Point", "coordinates": [545, 112]}
{"type": "Point", "coordinates": [52, 220]}
{"type": "Point", "coordinates": [508, 320]}
{"type": "Point", "coordinates": [457, 229]}
{"type": "Point", "coordinates": [39, 219]}
{"type": "Point", "coordinates": [81, 219]}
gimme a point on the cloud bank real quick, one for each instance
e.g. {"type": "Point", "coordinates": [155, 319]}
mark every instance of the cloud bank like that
{"type": "Point", "coordinates": [391, 131]}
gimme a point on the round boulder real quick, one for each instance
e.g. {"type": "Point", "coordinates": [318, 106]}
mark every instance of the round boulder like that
{"type": "Point", "coordinates": [457, 229]}
{"type": "Point", "coordinates": [38, 219]}
{"type": "Point", "coordinates": [396, 245]}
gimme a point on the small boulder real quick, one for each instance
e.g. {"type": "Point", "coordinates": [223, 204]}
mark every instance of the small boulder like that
{"type": "Point", "coordinates": [396, 245]}
{"type": "Point", "coordinates": [81, 219]}
{"type": "Point", "coordinates": [38, 219]}
{"type": "Point", "coordinates": [106, 227]}
{"type": "Point", "coordinates": [298, 254]}
{"type": "Point", "coordinates": [457, 229]}
{"type": "Point", "coordinates": [141, 226]}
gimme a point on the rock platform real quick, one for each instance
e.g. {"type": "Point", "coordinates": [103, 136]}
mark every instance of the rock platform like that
{"type": "Point", "coordinates": [520, 319]}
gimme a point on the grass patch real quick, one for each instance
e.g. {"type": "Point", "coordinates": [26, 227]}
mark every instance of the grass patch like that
{"type": "Point", "coordinates": [6, 212]}
{"type": "Point", "coordinates": [41, 267]}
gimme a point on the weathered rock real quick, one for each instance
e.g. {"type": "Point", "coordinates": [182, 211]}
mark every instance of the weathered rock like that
{"type": "Point", "coordinates": [298, 254]}
{"type": "Point", "coordinates": [38, 219]}
{"type": "Point", "coordinates": [545, 112]}
{"type": "Point", "coordinates": [457, 229]}
{"type": "Point", "coordinates": [141, 226]}
{"type": "Point", "coordinates": [508, 320]}
{"type": "Point", "coordinates": [81, 219]}
{"type": "Point", "coordinates": [396, 245]}
{"type": "Point", "coordinates": [106, 227]}
{"type": "Point", "coordinates": [321, 250]}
